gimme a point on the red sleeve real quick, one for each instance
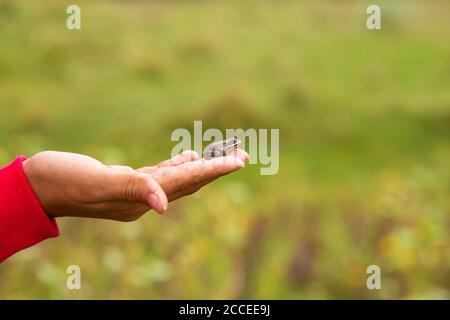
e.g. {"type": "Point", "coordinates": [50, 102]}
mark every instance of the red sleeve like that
{"type": "Point", "coordinates": [23, 221]}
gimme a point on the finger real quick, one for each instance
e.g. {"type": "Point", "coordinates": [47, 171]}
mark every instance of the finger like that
{"type": "Point", "coordinates": [178, 159]}
{"type": "Point", "coordinates": [152, 193]}
{"type": "Point", "coordinates": [185, 176]}
{"type": "Point", "coordinates": [140, 188]}
{"type": "Point", "coordinates": [176, 195]}
{"type": "Point", "coordinates": [241, 154]}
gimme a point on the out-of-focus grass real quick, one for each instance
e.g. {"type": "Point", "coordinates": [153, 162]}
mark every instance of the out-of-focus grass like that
{"type": "Point", "coordinates": [364, 124]}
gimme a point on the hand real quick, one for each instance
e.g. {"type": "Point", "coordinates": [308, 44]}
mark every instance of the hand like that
{"type": "Point", "coordinates": [70, 184]}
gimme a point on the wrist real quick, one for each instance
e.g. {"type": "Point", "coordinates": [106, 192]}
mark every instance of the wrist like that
{"type": "Point", "coordinates": [33, 180]}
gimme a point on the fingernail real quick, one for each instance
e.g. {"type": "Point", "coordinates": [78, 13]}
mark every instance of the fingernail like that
{"type": "Point", "coordinates": [156, 203]}
{"type": "Point", "coordinates": [241, 163]}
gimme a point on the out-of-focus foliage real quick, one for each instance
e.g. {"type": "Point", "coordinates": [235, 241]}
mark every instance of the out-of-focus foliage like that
{"type": "Point", "coordinates": [364, 133]}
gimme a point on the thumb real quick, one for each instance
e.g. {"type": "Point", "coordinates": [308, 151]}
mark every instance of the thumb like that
{"type": "Point", "coordinates": [142, 188]}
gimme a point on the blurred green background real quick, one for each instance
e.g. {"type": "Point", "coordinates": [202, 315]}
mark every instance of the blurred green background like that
{"type": "Point", "coordinates": [364, 119]}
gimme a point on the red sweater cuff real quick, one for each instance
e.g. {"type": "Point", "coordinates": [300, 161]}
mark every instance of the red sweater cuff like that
{"type": "Point", "coordinates": [23, 221]}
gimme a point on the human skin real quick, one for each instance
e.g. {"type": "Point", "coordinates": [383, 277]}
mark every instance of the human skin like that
{"type": "Point", "coordinates": [69, 184]}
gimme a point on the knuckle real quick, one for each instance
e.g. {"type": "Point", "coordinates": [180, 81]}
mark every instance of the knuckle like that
{"type": "Point", "coordinates": [130, 189]}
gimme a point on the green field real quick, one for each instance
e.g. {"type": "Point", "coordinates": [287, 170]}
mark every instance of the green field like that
{"type": "Point", "coordinates": [364, 119]}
